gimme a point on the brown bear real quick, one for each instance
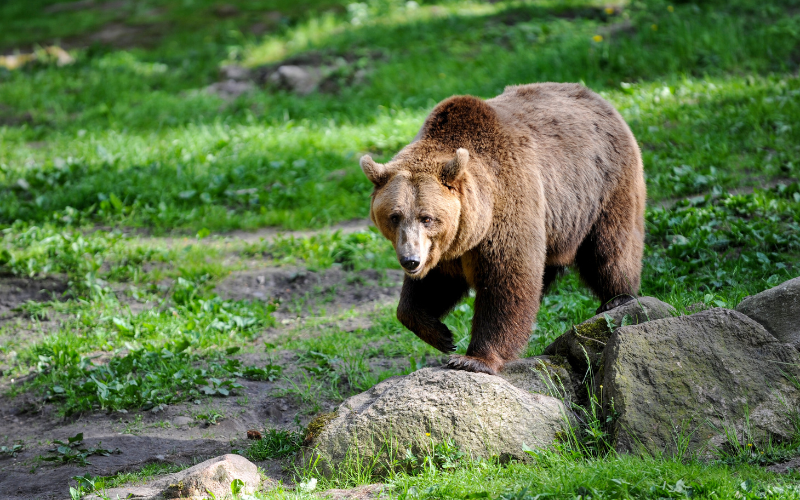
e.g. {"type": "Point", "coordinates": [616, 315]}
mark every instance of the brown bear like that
{"type": "Point", "coordinates": [499, 196]}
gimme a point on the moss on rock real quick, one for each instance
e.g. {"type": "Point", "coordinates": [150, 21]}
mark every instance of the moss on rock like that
{"type": "Point", "coordinates": [316, 426]}
{"type": "Point", "coordinates": [597, 331]}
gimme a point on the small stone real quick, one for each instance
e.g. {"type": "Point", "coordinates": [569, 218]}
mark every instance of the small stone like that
{"type": "Point", "coordinates": [179, 421]}
{"type": "Point", "coordinates": [300, 79]}
{"type": "Point", "coordinates": [210, 478]}
{"type": "Point", "coordinates": [234, 72]}
{"type": "Point", "coordinates": [230, 89]}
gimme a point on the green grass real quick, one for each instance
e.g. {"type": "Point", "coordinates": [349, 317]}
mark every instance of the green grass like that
{"type": "Point", "coordinates": [353, 251]}
{"type": "Point", "coordinates": [711, 87]}
{"type": "Point", "coordinates": [102, 157]}
{"type": "Point", "coordinates": [274, 444]}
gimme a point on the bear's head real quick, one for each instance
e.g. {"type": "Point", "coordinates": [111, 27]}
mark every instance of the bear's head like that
{"type": "Point", "coordinates": [417, 203]}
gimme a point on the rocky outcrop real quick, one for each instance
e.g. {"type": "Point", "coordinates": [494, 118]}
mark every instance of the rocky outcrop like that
{"type": "Point", "coordinates": [212, 476]}
{"type": "Point", "coordinates": [777, 310]}
{"type": "Point", "coordinates": [685, 382]}
{"type": "Point", "coordinates": [483, 415]}
{"type": "Point", "coordinates": [667, 384]}
{"type": "Point", "coordinates": [588, 339]}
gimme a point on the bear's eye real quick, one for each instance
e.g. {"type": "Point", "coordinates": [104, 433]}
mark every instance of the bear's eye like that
{"type": "Point", "coordinates": [426, 220]}
{"type": "Point", "coordinates": [394, 219]}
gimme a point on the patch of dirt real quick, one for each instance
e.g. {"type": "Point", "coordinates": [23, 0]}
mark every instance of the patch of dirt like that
{"type": "Point", "coordinates": [121, 36]}
{"type": "Point", "coordinates": [302, 292]}
{"type": "Point", "coordinates": [8, 117]}
{"type": "Point", "coordinates": [18, 327]}
{"type": "Point", "coordinates": [242, 236]}
{"type": "Point", "coordinates": [15, 291]}
{"type": "Point", "coordinates": [792, 465]}
{"type": "Point", "coordinates": [333, 70]}
{"type": "Point", "coordinates": [85, 5]}
{"type": "Point", "coordinates": [365, 492]}
{"type": "Point", "coordinates": [173, 435]}
{"type": "Point", "coordinates": [747, 186]}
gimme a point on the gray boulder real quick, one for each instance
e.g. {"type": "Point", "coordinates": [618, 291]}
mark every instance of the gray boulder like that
{"type": "Point", "coordinates": [590, 337]}
{"type": "Point", "coordinates": [212, 476]}
{"type": "Point", "coordinates": [300, 79]}
{"type": "Point", "coordinates": [483, 415]}
{"type": "Point", "coordinates": [679, 383]}
{"type": "Point", "coordinates": [777, 310]}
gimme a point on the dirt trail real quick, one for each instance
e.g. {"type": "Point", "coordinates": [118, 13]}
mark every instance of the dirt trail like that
{"type": "Point", "coordinates": [178, 434]}
{"type": "Point", "coordinates": [181, 433]}
{"type": "Point", "coordinates": [239, 237]}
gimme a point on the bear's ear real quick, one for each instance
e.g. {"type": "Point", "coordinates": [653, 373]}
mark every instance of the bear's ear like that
{"type": "Point", "coordinates": [375, 172]}
{"type": "Point", "coordinates": [455, 167]}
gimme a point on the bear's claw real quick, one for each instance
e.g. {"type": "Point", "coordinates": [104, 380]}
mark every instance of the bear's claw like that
{"type": "Point", "coordinates": [447, 348]}
{"type": "Point", "coordinates": [469, 364]}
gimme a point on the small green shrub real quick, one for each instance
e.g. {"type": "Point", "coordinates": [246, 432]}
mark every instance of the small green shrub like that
{"type": "Point", "coordinates": [275, 443]}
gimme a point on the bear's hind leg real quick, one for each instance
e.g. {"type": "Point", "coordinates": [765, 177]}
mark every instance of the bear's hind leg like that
{"type": "Point", "coordinates": [424, 302]}
{"type": "Point", "coordinates": [610, 258]}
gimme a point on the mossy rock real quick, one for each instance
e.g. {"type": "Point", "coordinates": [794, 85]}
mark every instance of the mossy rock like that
{"type": "Point", "coordinates": [316, 426]}
{"type": "Point", "coordinates": [701, 378]}
{"type": "Point", "coordinates": [583, 344]}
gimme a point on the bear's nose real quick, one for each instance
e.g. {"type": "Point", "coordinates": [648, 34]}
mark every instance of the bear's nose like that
{"type": "Point", "coordinates": [410, 263]}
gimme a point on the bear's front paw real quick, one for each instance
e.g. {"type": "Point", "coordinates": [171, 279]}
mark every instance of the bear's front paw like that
{"type": "Point", "coordinates": [470, 364]}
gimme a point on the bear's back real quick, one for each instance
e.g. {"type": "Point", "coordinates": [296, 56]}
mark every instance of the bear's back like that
{"type": "Point", "coordinates": [549, 101]}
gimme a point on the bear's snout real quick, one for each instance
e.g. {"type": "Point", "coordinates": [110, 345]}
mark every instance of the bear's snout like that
{"type": "Point", "coordinates": [410, 262]}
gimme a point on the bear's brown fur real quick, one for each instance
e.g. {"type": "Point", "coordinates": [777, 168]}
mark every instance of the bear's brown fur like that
{"type": "Point", "coordinates": [500, 195]}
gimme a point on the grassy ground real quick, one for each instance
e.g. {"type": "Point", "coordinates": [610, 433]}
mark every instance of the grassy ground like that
{"type": "Point", "coordinates": [121, 178]}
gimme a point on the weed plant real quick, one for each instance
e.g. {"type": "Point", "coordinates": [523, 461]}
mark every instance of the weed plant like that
{"type": "Point", "coordinates": [275, 443]}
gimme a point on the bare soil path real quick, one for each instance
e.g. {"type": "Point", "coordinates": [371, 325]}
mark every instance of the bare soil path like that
{"type": "Point", "coordinates": [189, 432]}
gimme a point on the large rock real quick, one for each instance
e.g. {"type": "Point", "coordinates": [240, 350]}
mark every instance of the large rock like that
{"type": "Point", "coordinates": [214, 476]}
{"type": "Point", "coordinates": [483, 415]}
{"type": "Point", "coordinates": [777, 310]}
{"type": "Point", "coordinates": [590, 337]}
{"type": "Point", "coordinates": [690, 378]}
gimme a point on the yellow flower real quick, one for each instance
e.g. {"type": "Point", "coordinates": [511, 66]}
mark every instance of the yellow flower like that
{"type": "Point", "coordinates": [428, 434]}
{"type": "Point", "coordinates": [670, 8]}
{"type": "Point", "coordinates": [609, 10]}
{"type": "Point", "coordinates": [654, 27]}
{"type": "Point", "coordinates": [598, 38]}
